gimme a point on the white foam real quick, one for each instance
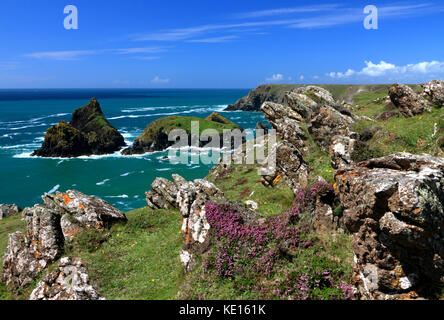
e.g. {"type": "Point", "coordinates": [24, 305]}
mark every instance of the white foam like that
{"type": "Point", "coordinates": [101, 183]}
{"type": "Point", "coordinates": [164, 169]}
{"type": "Point", "coordinates": [54, 189]}
{"type": "Point", "coordinates": [124, 196]}
{"type": "Point", "coordinates": [125, 174]}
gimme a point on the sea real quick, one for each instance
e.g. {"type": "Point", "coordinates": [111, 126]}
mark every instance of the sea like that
{"type": "Point", "coordinates": [120, 180]}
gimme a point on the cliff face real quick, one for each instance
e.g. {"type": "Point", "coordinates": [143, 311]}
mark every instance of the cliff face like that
{"type": "Point", "coordinates": [276, 93]}
{"type": "Point", "coordinates": [256, 97]}
{"type": "Point", "coordinates": [89, 132]}
{"type": "Point", "coordinates": [155, 135]}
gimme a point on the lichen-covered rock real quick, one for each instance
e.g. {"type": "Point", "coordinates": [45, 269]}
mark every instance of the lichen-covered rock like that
{"type": "Point", "coordinates": [28, 254]}
{"type": "Point", "coordinates": [88, 132]}
{"type": "Point", "coordinates": [394, 207]}
{"type": "Point", "coordinates": [435, 91]}
{"type": "Point", "coordinates": [69, 282]}
{"type": "Point", "coordinates": [7, 210]}
{"type": "Point", "coordinates": [191, 199]}
{"type": "Point", "coordinates": [318, 94]}
{"type": "Point", "coordinates": [261, 129]}
{"type": "Point", "coordinates": [329, 123]}
{"type": "Point", "coordinates": [407, 101]}
{"type": "Point", "coordinates": [288, 154]}
{"type": "Point", "coordinates": [302, 104]}
{"type": "Point", "coordinates": [164, 193]}
{"type": "Point", "coordinates": [341, 151]}
{"type": "Point", "coordinates": [84, 210]}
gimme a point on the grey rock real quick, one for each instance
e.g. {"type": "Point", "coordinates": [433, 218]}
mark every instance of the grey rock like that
{"type": "Point", "coordinates": [407, 101]}
{"type": "Point", "coordinates": [435, 91]}
{"type": "Point", "coordinates": [70, 281]}
{"type": "Point", "coordinates": [8, 210]}
{"type": "Point", "coordinates": [394, 207]}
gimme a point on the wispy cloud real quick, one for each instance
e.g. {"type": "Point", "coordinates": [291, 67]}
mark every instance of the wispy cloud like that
{"type": "Point", "coordinates": [383, 69]}
{"type": "Point", "coordinates": [8, 65]}
{"type": "Point", "coordinates": [339, 16]}
{"type": "Point", "coordinates": [77, 54]}
{"type": "Point", "coordinates": [214, 39]}
{"type": "Point", "coordinates": [282, 11]}
{"type": "Point", "coordinates": [159, 80]}
{"type": "Point", "coordinates": [61, 55]}
{"type": "Point", "coordinates": [139, 50]}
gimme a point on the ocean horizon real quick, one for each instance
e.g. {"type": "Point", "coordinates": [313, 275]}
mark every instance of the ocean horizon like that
{"type": "Point", "coordinates": [25, 115]}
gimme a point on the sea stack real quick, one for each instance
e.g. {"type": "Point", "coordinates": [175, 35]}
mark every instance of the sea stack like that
{"type": "Point", "coordinates": [88, 133]}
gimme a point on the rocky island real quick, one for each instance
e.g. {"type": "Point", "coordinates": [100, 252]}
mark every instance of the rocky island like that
{"type": "Point", "coordinates": [88, 133]}
{"type": "Point", "coordinates": [155, 135]}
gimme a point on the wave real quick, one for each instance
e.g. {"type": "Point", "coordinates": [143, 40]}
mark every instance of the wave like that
{"type": "Point", "coordinates": [125, 174]}
{"type": "Point", "coordinates": [123, 196]}
{"type": "Point", "coordinates": [34, 119]}
{"type": "Point", "coordinates": [101, 183]}
{"type": "Point", "coordinates": [196, 109]}
{"type": "Point", "coordinates": [54, 189]}
{"type": "Point", "coordinates": [164, 169]}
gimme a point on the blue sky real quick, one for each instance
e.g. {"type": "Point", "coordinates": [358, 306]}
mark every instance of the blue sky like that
{"type": "Point", "coordinates": [217, 43]}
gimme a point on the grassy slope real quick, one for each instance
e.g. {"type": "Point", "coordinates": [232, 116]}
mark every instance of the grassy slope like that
{"type": "Point", "coordinates": [181, 122]}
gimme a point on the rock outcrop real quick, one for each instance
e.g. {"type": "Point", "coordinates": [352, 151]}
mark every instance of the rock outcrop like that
{"type": "Point", "coordinates": [155, 136]}
{"type": "Point", "coordinates": [191, 198]}
{"type": "Point", "coordinates": [28, 254]}
{"type": "Point", "coordinates": [88, 132]}
{"type": "Point", "coordinates": [7, 210]}
{"type": "Point", "coordinates": [48, 227]}
{"type": "Point", "coordinates": [163, 194]}
{"type": "Point", "coordinates": [394, 207]}
{"type": "Point", "coordinates": [407, 101]}
{"type": "Point", "coordinates": [70, 281]}
{"type": "Point", "coordinates": [79, 211]}
{"type": "Point", "coordinates": [434, 90]}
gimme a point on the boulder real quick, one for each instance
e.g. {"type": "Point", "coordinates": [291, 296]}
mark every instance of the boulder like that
{"type": "Point", "coordinates": [434, 90]}
{"type": "Point", "coordinates": [407, 101]}
{"type": "Point", "coordinates": [28, 254]}
{"type": "Point", "coordinates": [191, 199]}
{"type": "Point", "coordinates": [83, 211]}
{"type": "Point", "coordinates": [387, 115]}
{"type": "Point", "coordinates": [70, 281]}
{"type": "Point", "coordinates": [341, 151]}
{"type": "Point", "coordinates": [164, 193]}
{"type": "Point", "coordinates": [328, 123]}
{"type": "Point", "coordinates": [89, 132]}
{"type": "Point", "coordinates": [394, 207]}
{"type": "Point", "coordinates": [317, 94]}
{"type": "Point", "coordinates": [301, 104]}
{"type": "Point", "coordinates": [48, 227]}
{"type": "Point", "coordinates": [7, 210]}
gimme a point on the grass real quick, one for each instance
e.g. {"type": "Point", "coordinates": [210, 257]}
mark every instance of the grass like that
{"type": "Point", "coordinates": [8, 225]}
{"type": "Point", "coordinates": [138, 260]}
{"type": "Point", "coordinates": [242, 183]}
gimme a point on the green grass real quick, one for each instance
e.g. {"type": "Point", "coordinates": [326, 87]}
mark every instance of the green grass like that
{"type": "Point", "coordinates": [138, 260]}
{"type": "Point", "coordinates": [8, 225]}
{"type": "Point", "coordinates": [243, 183]}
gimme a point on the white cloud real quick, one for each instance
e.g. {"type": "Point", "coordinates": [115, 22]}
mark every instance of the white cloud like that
{"type": "Point", "coordinates": [275, 78]}
{"type": "Point", "coordinates": [281, 11]}
{"type": "Point", "coordinates": [383, 68]}
{"type": "Point", "coordinates": [158, 79]}
{"type": "Point", "coordinates": [61, 55]}
{"type": "Point", "coordinates": [214, 40]}
{"type": "Point", "coordinates": [139, 50]}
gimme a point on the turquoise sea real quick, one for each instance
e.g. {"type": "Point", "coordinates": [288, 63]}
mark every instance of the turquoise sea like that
{"type": "Point", "coordinates": [121, 180]}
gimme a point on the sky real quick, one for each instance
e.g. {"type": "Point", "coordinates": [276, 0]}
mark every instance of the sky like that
{"type": "Point", "coordinates": [218, 43]}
